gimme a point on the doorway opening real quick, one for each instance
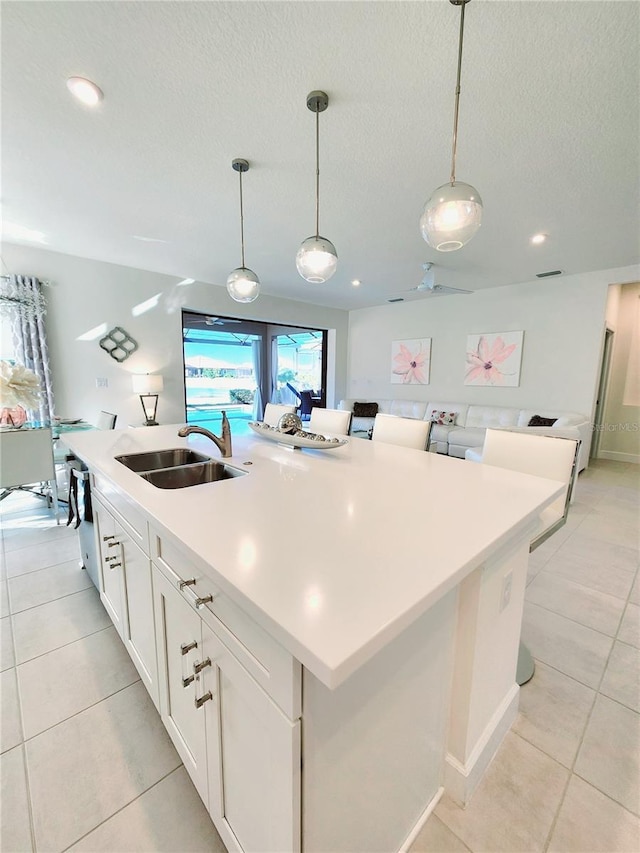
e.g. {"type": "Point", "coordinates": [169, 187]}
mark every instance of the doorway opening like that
{"type": "Point", "coordinates": [240, 365]}
{"type": "Point", "coordinates": [598, 417]}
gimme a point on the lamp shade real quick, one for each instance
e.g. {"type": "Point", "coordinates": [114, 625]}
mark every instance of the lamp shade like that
{"type": "Point", "coordinates": [317, 259]}
{"type": "Point", "coordinates": [147, 383]}
{"type": "Point", "coordinates": [243, 285]}
{"type": "Point", "coordinates": [451, 217]}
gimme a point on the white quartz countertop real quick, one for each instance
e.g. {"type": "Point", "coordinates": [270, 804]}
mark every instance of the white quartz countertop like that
{"type": "Point", "coordinates": [334, 552]}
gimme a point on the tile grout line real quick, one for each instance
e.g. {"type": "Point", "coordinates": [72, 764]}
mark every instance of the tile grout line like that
{"type": "Point", "coordinates": [23, 747]}
{"type": "Point", "coordinates": [122, 808]}
{"type": "Point", "coordinates": [584, 586]}
{"type": "Point", "coordinates": [597, 693]}
{"type": "Point", "coordinates": [27, 740]}
{"type": "Point", "coordinates": [41, 535]}
{"type": "Point", "coordinates": [581, 624]}
{"type": "Point", "coordinates": [23, 750]}
{"type": "Point", "coordinates": [64, 645]}
{"type": "Point", "coordinates": [27, 782]}
{"type": "Point", "coordinates": [40, 568]}
{"type": "Point", "coordinates": [50, 601]}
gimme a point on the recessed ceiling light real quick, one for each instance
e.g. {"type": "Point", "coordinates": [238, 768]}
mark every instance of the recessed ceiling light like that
{"type": "Point", "coordinates": [356, 282]}
{"type": "Point", "coordinates": [537, 239]}
{"type": "Point", "coordinates": [85, 91]}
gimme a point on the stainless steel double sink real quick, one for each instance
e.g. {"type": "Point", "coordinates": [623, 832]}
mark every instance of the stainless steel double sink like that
{"type": "Point", "coordinates": [178, 468]}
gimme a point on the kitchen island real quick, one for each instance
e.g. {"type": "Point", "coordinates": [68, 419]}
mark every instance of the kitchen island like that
{"type": "Point", "coordinates": [351, 621]}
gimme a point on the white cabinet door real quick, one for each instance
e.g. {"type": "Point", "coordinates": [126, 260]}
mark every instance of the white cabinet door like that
{"type": "Point", "coordinates": [179, 645]}
{"type": "Point", "coordinates": [254, 757]}
{"type": "Point", "coordinates": [111, 577]}
{"type": "Point", "coordinates": [139, 629]}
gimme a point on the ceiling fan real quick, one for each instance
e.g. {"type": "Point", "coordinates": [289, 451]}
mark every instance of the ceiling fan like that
{"type": "Point", "coordinates": [212, 321]}
{"type": "Point", "coordinates": [428, 286]}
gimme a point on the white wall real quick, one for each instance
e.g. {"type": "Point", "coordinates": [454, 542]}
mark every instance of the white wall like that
{"type": "Point", "coordinates": [620, 437]}
{"type": "Point", "coordinates": [85, 294]}
{"type": "Point", "coordinates": [563, 320]}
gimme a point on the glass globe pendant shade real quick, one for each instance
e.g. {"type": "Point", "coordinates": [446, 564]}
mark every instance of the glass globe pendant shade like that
{"type": "Point", "coordinates": [243, 285]}
{"type": "Point", "coordinates": [451, 217]}
{"type": "Point", "coordinates": [316, 260]}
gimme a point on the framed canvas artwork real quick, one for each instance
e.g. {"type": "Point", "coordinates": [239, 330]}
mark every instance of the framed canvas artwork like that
{"type": "Point", "coordinates": [410, 361]}
{"type": "Point", "coordinates": [494, 359]}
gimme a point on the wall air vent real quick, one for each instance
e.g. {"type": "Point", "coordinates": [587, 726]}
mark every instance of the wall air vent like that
{"type": "Point", "coordinates": [548, 274]}
{"type": "Point", "coordinates": [396, 299]}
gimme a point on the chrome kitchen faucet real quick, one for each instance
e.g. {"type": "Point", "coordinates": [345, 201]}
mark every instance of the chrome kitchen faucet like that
{"type": "Point", "coordinates": [223, 443]}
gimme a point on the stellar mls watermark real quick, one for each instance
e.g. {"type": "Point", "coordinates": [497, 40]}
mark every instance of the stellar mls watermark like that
{"type": "Point", "coordinates": [622, 426]}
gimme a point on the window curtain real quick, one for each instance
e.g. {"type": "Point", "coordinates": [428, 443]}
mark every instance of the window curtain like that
{"type": "Point", "coordinates": [30, 339]}
{"type": "Point", "coordinates": [275, 397]}
{"type": "Point", "coordinates": [256, 352]}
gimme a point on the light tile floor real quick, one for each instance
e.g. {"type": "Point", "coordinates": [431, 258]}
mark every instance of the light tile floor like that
{"type": "Point", "coordinates": [86, 763]}
{"type": "Point", "coordinates": [567, 777]}
{"type": "Point", "coordinates": [87, 766]}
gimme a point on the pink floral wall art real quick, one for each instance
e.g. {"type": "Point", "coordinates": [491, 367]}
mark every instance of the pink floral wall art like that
{"type": "Point", "coordinates": [494, 359]}
{"type": "Point", "coordinates": [410, 361]}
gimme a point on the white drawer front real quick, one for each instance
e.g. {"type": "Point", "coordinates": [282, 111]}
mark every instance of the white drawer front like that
{"type": "Point", "coordinates": [277, 672]}
{"type": "Point", "coordinates": [123, 509]}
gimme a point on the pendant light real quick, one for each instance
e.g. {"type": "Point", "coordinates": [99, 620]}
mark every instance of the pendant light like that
{"type": "Point", "coordinates": [243, 284]}
{"type": "Point", "coordinates": [453, 214]}
{"type": "Point", "coordinates": [317, 258]}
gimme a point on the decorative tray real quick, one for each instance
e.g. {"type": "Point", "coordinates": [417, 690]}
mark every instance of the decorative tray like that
{"type": "Point", "coordinates": [300, 439]}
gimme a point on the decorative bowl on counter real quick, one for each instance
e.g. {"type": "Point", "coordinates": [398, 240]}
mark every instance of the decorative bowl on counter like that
{"type": "Point", "coordinates": [289, 423]}
{"type": "Point", "coordinates": [300, 438]}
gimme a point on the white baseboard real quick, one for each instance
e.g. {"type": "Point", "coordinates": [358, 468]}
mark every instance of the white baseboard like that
{"type": "Point", "coordinates": [421, 822]}
{"type": "Point", "coordinates": [615, 456]}
{"type": "Point", "coordinates": [460, 781]}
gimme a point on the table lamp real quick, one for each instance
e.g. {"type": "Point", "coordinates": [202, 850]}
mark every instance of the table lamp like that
{"type": "Point", "coordinates": [148, 386]}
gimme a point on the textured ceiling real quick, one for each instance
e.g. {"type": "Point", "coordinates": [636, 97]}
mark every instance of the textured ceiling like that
{"type": "Point", "coordinates": [548, 135]}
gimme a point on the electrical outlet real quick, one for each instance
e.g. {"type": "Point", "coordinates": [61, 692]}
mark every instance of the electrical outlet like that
{"type": "Point", "coordinates": [102, 382]}
{"type": "Point", "coordinates": [505, 597]}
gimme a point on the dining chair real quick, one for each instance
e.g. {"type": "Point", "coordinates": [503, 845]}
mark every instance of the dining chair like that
{"type": "Point", "coordinates": [405, 432]}
{"type": "Point", "coordinates": [274, 411]}
{"type": "Point", "coordinates": [306, 401]}
{"type": "Point", "coordinates": [331, 421]}
{"type": "Point", "coordinates": [106, 420]}
{"type": "Point", "coordinates": [26, 458]}
{"type": "Point", "coordinates": [553, 457]}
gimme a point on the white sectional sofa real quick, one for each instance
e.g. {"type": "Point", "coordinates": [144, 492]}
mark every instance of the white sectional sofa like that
{"type": "Point", "coordinates": [471, 422]}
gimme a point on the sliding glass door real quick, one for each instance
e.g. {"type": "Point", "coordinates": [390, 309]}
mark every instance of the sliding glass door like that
{"type": "Point", "coordinates": [239, 365]}
{"type": "Point", "coordinates": [299, 375]}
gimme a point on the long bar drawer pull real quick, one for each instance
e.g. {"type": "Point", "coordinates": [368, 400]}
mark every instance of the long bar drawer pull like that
{"type": "Point", "coordinates": [200, 665]}
{"type": "Point", "coordinates": [200, 602]}
{"type": "Point", "coordinates": [111, 540]}
{"type": "Point", "coordinates": [190, 582]}
{"type": "Point", "coordinates": [185, 648]}
{"type": "Point", "coordinates": [113, 565]}
{"type": "Point", "coordinates": [188, 680]}
{"type": "Point", "coordinates": [200, 702]}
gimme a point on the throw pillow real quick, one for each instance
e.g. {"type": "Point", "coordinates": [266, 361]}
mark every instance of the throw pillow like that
{"type": "Point", "coordinates": [365, 410]}
{"type": "Point", "coordinates": [443, 418]}
{"type": "Point", "coordinates": [538, 420]}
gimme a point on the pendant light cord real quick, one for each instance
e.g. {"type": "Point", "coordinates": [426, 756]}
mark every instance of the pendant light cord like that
{"type": "Point", "coordinates": [317, 173]}
{"type": "Point", "coordinates": [457, 102]}
{"type": "Point", "coordinates": [241, 219]}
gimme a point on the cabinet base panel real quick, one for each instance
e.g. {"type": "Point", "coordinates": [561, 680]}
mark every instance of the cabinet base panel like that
{"type": "Point", "coordinates": [460, 781]}
{"type": "Point", "coordinates": [424, 817]}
